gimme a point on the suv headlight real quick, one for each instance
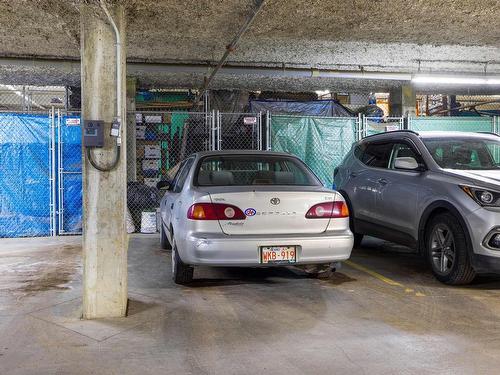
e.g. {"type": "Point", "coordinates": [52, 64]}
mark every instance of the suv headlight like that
{"type": "Point", "coordinates": [483, 197]}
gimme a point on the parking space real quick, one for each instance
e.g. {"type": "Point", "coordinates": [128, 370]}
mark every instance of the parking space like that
{"type": "Point", "coordinates": [382, 312]}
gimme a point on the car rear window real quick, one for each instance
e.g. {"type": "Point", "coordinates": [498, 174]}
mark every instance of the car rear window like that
{"type": "Point", "coordinates": [242, 170]}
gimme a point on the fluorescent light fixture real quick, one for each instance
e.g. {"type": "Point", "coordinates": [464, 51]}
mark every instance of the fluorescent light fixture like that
{"type": "Point", "coordinates": [322, 92]}
{"type": "Point", "coordinates": [457, 80]}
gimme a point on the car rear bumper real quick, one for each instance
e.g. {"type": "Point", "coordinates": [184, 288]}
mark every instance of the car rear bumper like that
{"type": "Point", "coordinates": [244, 251]}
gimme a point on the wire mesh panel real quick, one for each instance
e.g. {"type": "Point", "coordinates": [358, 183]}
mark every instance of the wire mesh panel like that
{"type": "Point", "coordinates": [69, 181]}
{"type": "Point", "coordinates": [464, 124]}
{"type": "Point", "coordinates": [163, 140]}
{"type": "Point", "coordinates": [376, 125]}
{"type": "Point", "coordinates": [25, 173]}
{"type": "Point", "coordinates": [321, 142]}
{"type": "Point", "coordinates": [31, 98]}
{"type": "Point", "coordinates": [239, 131]}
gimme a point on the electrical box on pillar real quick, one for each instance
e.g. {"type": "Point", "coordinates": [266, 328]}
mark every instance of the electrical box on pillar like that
{"type": "Point", "coordinates": [93, 134]}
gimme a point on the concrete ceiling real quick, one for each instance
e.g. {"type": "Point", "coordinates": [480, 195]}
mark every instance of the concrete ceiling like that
{"type": "Point", "coordinates": [396, 36]}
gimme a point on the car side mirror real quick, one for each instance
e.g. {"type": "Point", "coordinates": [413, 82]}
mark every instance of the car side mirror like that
{"type": "Point", "coordinates": [407, 163]}
{"type": "Point", "coordinates": [165, 184]}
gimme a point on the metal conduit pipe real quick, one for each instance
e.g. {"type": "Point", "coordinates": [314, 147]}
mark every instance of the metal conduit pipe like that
{"type": "Point", "coordinates": [118, 61]}
{"type": "Point", "coordinates": [230, 48]}
{"type": "Point", "coordinates": [136, 68]}
{"type": "Point", "coordinates": [116, 160]}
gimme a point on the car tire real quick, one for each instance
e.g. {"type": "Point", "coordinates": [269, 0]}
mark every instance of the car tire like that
{"type": "Point", "coordinates": [182, 273]}
{"type": "Point", "coordinates": [358, 237]}
{"type": "Point", "coordinates": [164, 242]}
{"type": "Point", "coordinates": [447, 251]}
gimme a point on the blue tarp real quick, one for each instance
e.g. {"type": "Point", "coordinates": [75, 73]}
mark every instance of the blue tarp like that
{"type": "Point", "coordinates": [330, 108]}
{"type": "Point", "coordinates": [24, 175]}
{"type": "Point", "coordinates": [71, 139]}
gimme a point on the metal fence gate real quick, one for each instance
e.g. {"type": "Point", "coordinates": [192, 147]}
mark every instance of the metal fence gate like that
{"type": "Point", "coordinates": [69, 173]}
{"type": "Point", "coordinates": [239, 131]}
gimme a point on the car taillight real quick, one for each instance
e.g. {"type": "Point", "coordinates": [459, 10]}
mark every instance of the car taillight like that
{"type": "Point", "coordinates": [328, 210]}
{"type": "Point", "coordinates": [215, 211]}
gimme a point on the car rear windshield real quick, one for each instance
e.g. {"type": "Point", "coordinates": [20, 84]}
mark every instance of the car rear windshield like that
{"type": "Point", "coordinates": [465, 153]}
{"type": "Point", "coordinates": [242, 170]}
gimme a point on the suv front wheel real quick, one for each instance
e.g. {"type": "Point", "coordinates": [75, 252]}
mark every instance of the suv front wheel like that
{"type": "Point", "coordinates": [446, 248]}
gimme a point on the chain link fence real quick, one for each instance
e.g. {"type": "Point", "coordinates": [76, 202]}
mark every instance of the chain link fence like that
{"type": "Point", "coordinates": [376, 125]}
{"type": "Point", "coordinates": [163, 140]}
{"type": "Point", "coordinates": [321, 142]}
{"type": "Point", "coordinates": [239, 131]}
{"type": "Point", "coordinates": [41, 156]}
{"type": "Point", "coordinates": [28, 99]}
{"type": "Point", "coordinates": [69, 173]}
{"type": "Point", "coordinates": [26, 175]}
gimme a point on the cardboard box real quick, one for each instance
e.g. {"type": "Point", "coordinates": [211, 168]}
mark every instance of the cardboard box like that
{"type": "Point", "coordinates": [153, 119]}
{"type": "Point", "coordinates": [140, 132]}
{"type": "Point", "coordinates": [151, 181]}
{"type": "Point", "coordinates": [150, 167]}
{"type": "Point", "coordinates": [152, 151]}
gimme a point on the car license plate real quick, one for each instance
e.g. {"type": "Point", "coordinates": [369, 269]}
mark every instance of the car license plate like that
{"type": "Point", "coordinates": [278, 254]}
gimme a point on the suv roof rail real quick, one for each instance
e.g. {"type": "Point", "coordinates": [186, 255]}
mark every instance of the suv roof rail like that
{"type": "Point", "coordinates": [491, 133]}
{"type": "Point", "coordinates": [393, 131]}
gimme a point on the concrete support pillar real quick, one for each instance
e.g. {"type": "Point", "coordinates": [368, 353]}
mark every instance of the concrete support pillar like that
{"type": "Point", "coordinates": [402, 101]}
{"type": "Point", "coordinates": [131, 138]}
{"type": "Point", "coordinates": [105, 239]}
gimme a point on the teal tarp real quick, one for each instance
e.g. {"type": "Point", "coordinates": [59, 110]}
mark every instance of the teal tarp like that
{"type": "Point", "coordinates": [321, 142]}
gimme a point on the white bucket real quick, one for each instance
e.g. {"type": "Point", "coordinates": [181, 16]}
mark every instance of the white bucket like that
{"type": "Point", "coordinates": [148, 222]}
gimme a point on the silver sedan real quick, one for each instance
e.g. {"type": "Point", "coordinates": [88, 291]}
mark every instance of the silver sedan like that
{"type": "Point", "coordinates": [252, 209]}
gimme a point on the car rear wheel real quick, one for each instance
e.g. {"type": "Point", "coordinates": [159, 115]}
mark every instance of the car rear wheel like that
{"type": "Point", "coordinates": [164, 242]}
{"type": "Point", "coordinates": [447, 252]}
{"type": "Point", "coordinates": [181, 273]}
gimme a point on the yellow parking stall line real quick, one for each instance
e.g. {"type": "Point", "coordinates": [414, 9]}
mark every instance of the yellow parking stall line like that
{"type": "Point", "coordinates": [386, 280]}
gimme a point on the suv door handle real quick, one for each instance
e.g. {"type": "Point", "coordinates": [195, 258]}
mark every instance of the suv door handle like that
{"type": "Point", "coordinates": [382, 181]}
{"type": "Point", "coordinates": [172, 206]}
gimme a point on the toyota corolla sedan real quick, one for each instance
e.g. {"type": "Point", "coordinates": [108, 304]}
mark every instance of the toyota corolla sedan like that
{"type": "Point", "coordinates": [251, 209]}
{"type": "Point", "coordinates": [438, 192]}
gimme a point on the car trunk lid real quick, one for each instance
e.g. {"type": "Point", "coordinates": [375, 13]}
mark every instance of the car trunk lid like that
{"type": "Point", "coordinates": [274, 211]}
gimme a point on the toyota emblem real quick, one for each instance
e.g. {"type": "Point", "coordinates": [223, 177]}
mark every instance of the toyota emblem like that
{"type": "Point", "coordinates": [275, 201]}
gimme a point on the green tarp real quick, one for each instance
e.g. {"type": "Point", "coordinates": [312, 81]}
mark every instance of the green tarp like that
{"type": "Point", "coordinates": [321, 142]}
{"type": "Point", "coordinates": [464, 124]}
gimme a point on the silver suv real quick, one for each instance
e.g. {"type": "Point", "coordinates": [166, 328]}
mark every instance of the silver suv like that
{"type": "Point", "coordinates": [437, 192]}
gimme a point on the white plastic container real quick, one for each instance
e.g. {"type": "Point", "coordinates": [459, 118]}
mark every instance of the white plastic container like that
{"type": "Point", "coordinates": [148, 222]}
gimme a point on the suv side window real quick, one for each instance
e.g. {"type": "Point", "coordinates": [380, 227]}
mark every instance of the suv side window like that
{"type": "Point", "coordinates": [377, 155]}
{"type": "Point", "coordinates": [181, 176]}
{"type": "Point", "coordinates": [401, 150]}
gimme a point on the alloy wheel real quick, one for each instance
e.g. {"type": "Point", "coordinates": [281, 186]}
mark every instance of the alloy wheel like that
{"type": "Point", "coordinates": [442, 249]}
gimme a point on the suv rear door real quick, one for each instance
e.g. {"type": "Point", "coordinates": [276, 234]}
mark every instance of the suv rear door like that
{"type": "Point", "coordinates": [363, 178]}
{"type": "Point", "coordinates": [397, 191]}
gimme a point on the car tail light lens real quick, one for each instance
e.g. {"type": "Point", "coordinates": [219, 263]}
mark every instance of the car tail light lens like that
{"type": "Point", "coordinates": [328, 210]}
{"type": "Point", "coordinates": [215, 211]}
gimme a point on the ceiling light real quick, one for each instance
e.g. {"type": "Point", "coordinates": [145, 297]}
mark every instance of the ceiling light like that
{"type": "Point", "coordinates": [457, 80]}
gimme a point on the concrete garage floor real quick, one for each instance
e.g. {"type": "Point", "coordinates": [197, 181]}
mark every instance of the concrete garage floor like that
{"type": "Point", "coordinates": [381, 313]}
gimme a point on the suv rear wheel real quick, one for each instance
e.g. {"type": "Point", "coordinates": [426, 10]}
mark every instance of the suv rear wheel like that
{"type": "Point", "coordinates": [447, 253]}
{"type": "Point", "coordinates": [358, 237]}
